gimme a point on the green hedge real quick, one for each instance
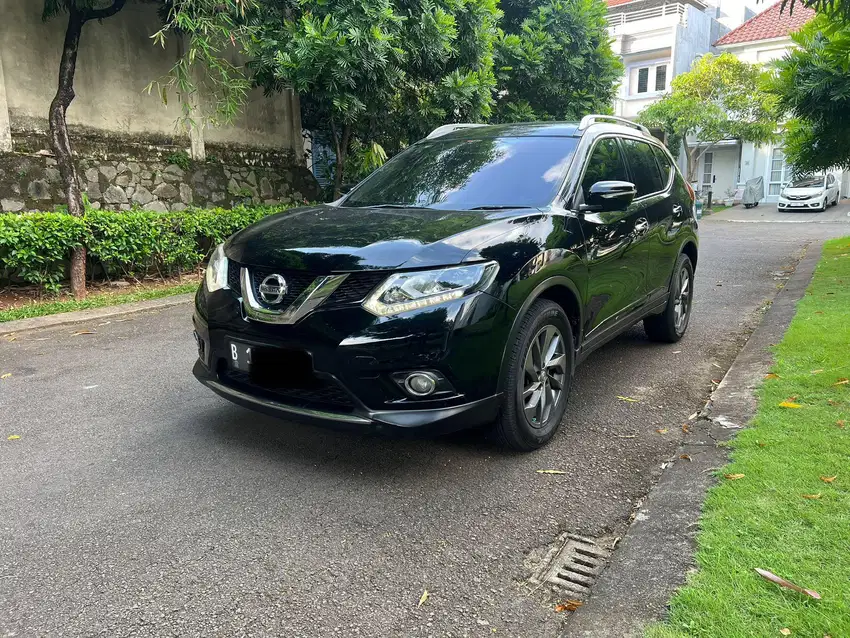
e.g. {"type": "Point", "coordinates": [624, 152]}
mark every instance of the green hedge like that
{"type": "Point", "coordinates": [35, 247]}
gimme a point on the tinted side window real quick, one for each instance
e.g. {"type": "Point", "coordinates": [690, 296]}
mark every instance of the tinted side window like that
{"type": "Point", "coordinates": [645, 171]}
{"type": "Point", "coordinates": [664, 163]}
{"type": "Point", "coordinates": [605, 164]}
{"type": "Point", "coordinates": [830, 180]}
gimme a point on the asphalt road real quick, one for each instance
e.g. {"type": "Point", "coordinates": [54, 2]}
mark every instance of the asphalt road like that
{"type": "Point", "coordinates": [135, 502]}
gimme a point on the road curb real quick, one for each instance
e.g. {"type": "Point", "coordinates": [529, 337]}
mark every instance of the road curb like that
{"type": "Point", "coordinates": [78, 316]}
{"type": "Point", "coordinates": [654, 557]}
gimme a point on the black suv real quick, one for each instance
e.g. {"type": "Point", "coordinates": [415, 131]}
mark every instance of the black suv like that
{"type": "Point", "coordinates": [457, 286]}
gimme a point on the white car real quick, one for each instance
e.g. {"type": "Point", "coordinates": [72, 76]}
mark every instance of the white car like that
{"type": "Point", "coordinates": [810, 193]}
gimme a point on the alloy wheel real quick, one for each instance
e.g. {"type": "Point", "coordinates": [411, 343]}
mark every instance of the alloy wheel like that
{"type": "Point", "coordinates": [682, 305]}
{"type": "Point", "coordinates": [544, 375]}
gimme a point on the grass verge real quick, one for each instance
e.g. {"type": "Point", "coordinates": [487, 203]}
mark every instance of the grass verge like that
{"type": "Point", "coordinates": [786, 514]}
{"type": "Point", "coordinates": [100, 300]}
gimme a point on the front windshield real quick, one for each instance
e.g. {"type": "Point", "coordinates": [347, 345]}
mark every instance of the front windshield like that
{"type": "Point", "coordinates": [808, 182]}
{"type": "Point", "coordinates": [476, 174]}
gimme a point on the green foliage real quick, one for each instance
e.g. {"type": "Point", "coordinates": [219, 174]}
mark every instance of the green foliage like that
{"type": "Point", "coordinates": [210, 34]}
{"type": "Point", "coordinates": [554, 61]}
{"type": "Point", "coordinates": [838, 8]}
{"type": "Point", "coordinates": [813, 86]}
{"type": "Point", "coordinates": [35, 246]}
{"type": "Point", "coordinates": [181, 159]}
{"type": "Point", "coordinates": [720, 98]}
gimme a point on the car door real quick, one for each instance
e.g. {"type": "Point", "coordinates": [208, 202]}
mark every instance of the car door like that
{"type": "Point", "coordinates": [831, 188]}
{"type": "Point", "coordinates": [615, 245]}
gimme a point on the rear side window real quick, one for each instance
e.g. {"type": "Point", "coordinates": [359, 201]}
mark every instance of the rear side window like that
{"type": "Point", "coordinates": [665, 164]}
{"type": "Point", "coordinates": [605, 164]}
{"type": "Point", "coordinates": [645, 172]}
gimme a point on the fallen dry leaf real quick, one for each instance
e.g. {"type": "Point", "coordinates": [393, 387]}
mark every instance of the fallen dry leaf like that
{"type": "Point", "coordinates": [842, 381]}
{"type": "Point", "coordinates": [789, 404]}
{"type": "Point", "coordinates": [551, 472]}
{"type": "Point", "coordinates": [772, 375]}
{"type": "Point", "coordinates": [628, 399]}
{"type": "Point", "coordinates": [785, 631]}
{"type": "Point", "coordinates": [423, 598]}
{"type": "Point", "coordinates": [5, 376]}
{"type": "Point", "coordinates": [733, 477]}
{"type": "Point", "coordinates": [686, 457]}
{"type": "Point", "coordinates": [83, 332]}
{"type": "Point", "coordinates": [13, 437]}
{"type": "Point", "coordinates": [818, 371]}
{"type": "Point", "coordinates": [685, 428]}
{"type": "Point", "coordinates": [661, 430]}
{"type": "Point", "coordinates": [786, 584]}
{"type": "Point", "coordinates": [760, 443]}
{"type": "Point", "coordinates": [811, 497]}
{"type": "Point", "coordinates": [716, 381]}
{"type": "Point", "coordinates": [828, 479]}
{"type": "Point", "coordinates": [570, 605]}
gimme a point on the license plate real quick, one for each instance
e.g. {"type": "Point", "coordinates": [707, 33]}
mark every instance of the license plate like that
{"type": "Point", "coordinates": [797, 205]}
{"type": "Point", "coordinates": [240, 356]}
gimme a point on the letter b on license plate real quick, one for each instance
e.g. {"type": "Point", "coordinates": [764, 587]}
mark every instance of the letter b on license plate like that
{"type": "Point", "coordinates": [240, 356]}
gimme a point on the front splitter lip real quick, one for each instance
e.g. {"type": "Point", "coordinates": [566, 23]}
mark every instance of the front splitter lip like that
{"type": "Point", "coordinates": [402, 422]}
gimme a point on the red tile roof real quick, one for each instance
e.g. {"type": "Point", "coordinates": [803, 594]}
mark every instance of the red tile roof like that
{"type": "Point", "coordinates": [770, 23]}
{"type": "Point", "coordinates": [614, 3]}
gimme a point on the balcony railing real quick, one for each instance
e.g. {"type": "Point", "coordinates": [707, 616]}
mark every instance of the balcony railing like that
{"type": "Point", "coordinates": [619, 20]}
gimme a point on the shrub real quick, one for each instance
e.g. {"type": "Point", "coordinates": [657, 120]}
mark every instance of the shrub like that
{"type": "Point", "coordinates": [35, 247]}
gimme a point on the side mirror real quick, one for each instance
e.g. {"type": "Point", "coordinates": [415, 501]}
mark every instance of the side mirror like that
{"type": "Point", "coordinates": [609, 196]}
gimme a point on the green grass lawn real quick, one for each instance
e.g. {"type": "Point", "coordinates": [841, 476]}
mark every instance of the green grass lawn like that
{"type": "Point", "coordinates": [40, 308]}
{"type": "Point", "coordinates": [763, 519]}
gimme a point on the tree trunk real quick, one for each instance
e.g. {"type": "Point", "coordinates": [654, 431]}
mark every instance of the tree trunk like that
{"type": "Point", "coordinates": [341, 154]}
{"type": "Point", "coordinates": [62, 144]}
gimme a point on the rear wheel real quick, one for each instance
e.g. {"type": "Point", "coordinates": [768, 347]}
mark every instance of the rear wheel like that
{"type": "Point", "coordinates": [670, 325]}
{"type": "Point", "coordinates": [539, 378]}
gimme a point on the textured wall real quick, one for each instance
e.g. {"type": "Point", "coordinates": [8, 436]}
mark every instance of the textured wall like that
{"type": "Point", "coordinates": [117, 60]}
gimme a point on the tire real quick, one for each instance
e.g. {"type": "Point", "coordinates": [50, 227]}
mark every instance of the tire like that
{"type": "Point", "coordinates": [523, 424]}
{"type": "Point", "coordinates": [671, 325]}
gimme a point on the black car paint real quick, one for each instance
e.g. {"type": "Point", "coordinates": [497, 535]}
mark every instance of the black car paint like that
{"type": "Point", "coordinates": [600, 264]}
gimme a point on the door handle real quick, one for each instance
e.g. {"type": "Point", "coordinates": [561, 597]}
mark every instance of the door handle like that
{"type": "Point", "coordinates": [641, 226]}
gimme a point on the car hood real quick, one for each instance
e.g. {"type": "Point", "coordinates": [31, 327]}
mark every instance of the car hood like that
{"type": "Point", "coordinates": [815, 190]}
{"type": "Point", "coordinates": [328, 239]}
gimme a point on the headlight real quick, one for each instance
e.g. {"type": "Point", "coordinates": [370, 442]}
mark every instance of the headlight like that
{"type": "Point", "coordinates": [215, 276]}
{"type": "Point", "coordinates": [411, 290]}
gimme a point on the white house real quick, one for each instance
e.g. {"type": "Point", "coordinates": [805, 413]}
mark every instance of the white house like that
{"type": "Point", "coordinates": [763, 39]}
{"type": "Point", "coordinates": [659, 39]}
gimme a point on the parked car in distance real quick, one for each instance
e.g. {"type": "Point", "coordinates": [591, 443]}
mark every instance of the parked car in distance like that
{"type": "Point", "coordinates": [810, 193]}
{"type": "Point", "coordinates": [457, 286]}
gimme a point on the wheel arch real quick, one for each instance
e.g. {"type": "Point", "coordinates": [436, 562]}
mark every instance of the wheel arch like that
{"type": "Point", "coordinates": [563, 292]}
{"type": "Point", "coordinates": [690, 249]}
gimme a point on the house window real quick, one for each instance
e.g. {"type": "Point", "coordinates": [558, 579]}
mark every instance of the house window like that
{"type": "Point", "coordinates": [707, 169]}
{"type": "Point", "coordinates": [643, 80]}
{"type": "Point", "coordinates": [777, 171]}
{"type": "Point", "coordinates": [661, 77]}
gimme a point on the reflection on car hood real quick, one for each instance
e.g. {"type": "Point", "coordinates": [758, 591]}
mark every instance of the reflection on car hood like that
{"type": "Point", "coordinates": [331, 239]}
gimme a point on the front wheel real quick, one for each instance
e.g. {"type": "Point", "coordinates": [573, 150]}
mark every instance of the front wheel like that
{"type": "Point", "coordinates": [538, 379]}
{"type": "Point", "coordinates": [670, 325]}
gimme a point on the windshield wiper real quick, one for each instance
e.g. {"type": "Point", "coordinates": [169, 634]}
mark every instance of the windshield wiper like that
{"type": "Point", "coordinates": [391, 206]}
{"type": "Point", "coordinates": [498, 207]}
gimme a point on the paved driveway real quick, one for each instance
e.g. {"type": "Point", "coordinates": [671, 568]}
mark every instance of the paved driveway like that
{"type": "Point", "coordinates": [769, 213]}
{"type": "Point", "coordinates": [137, 503]}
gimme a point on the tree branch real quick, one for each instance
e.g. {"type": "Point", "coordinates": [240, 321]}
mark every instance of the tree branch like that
{"type": "Point", "coordinates": [102, 14]}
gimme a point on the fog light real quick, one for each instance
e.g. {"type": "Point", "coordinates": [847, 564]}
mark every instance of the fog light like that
{"type": "Point", "coordinates": [420, 384]}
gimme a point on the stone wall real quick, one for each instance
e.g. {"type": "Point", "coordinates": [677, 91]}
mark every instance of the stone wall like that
{"type": "Point", "coordinates": [160, 177]}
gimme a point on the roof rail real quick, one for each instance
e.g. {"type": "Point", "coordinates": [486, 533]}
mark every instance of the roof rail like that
{"type": "Point", "coordinates": [587, 120]}
{"type": "Point", "coordinates": [449, 128]}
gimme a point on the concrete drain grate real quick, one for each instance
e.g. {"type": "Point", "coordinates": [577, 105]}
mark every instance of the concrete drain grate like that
{"type": "Point", "coordinates": [572, 566]}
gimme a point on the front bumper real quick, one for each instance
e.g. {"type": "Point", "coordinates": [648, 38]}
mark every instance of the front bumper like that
{"type": "Point", "coordinates": [801, 204]}
{"type": "Point", "coordinates": [354, 356]}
